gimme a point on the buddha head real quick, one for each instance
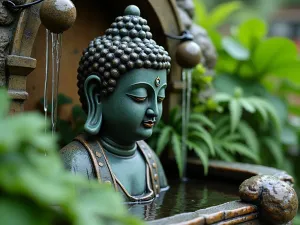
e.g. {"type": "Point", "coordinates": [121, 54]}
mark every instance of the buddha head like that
{"type": "Point", "coordinates": [122, 79]}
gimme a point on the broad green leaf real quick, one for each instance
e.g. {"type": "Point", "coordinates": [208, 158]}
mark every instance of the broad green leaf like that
{"type": "Point", "coordinates": [176, 146]}
{"type": "Point", "coordinates": [275, 149]}
{"type": "Point", "coordinates": [163, 139]}
{"type": "Point", "coordinates": [222, 12]}
{"type": "Point", "coordinates": [235, 109]}
{"type": "Point", "coordinates": [249, 136]}
{"type": "Point", "coordinates": [287, 70]}
{"type": "Point", "coordinates": [235, 49]}
{"type": "Point", "coordinates": [273, 53]}
{"type": "Point", "coordinates": [200, 13]}
{"type": "Point", "coordinates": [251, 32]}
{"type": "Point", "coordinates": [197, 117]}
{"type": "Point", "coordinates": [4, 101]}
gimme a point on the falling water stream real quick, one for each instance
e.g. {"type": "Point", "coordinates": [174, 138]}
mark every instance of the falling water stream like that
{"type": "Point", "coordinates": [56, 46]}
{"type": "Point", "coordinates": [186, 105]}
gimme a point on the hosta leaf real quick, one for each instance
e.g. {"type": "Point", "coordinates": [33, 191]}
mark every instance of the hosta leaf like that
{"type": "Point", "coordinates": [273, 52]}
{"type": "Point", "coordinates": [207, 139]}
{"type": "Point", "coordinates": [163, 139]}
{"type": "Point", "coordinates": [176, 146]}
{"type": "Point", "coordinates": [242, 150]}
{"type": "Point", "coordinates": [220, 13]}
{"type": "Point", "coordinates": [235, 49]}
{"type": "Point", "coordinates": [249, 136]}
{"type": "Point", "coordinates": [235, 109]}
{"type": "Point", "coordinates": [199, 150]}
{"type": "Point", "coordinates": [200, 13]}
{"type": "Point", "coordinates": [275, 148]}
{"type": "Point", "coordinates": [251, 32]}
{"type": "Point", "coordinates": [196, 117]}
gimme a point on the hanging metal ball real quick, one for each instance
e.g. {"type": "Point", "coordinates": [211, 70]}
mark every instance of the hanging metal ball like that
{"type": "Point", "coordinates": [188, 54]}
{"type": "Point", "coordinates": [57, 15]}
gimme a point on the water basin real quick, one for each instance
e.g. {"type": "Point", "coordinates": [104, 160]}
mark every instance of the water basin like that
{"type": "Point", "coordinates": [184, 197]}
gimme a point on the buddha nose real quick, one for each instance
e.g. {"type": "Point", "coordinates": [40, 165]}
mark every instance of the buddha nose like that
{"type": "Point", "coordinates": [150, 113]}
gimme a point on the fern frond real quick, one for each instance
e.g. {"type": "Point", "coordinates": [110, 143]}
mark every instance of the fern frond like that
{"type": "Point", "coordinates": [242, 150]}
{"type": "Point", "coordinates": [232, 137]}
{"type": "Point", "coordinates": [163, 139]}
{"type": "Point", "coordinates": [223, 154]}
{"type": "Point", "coordinates": [176, 145]}
{"type": "Point", "coordinates": [175, 116]}
{"type": "Point", "coordinates": [197, 127]}
{"type": "Point", "coordinates": [197, 117]}
{"type": "Point", "coordinates": [221, 131]}
{"type": "Point", "coordinates": [235, 109]}
{"type": "Point", "coordinates": [261, 110]}
{"type": "Point", "coordinates": [272, 112]}
{"type": "Point", "coordinates": [199, 150]}
{"type": "Point", "coordinates": [221, 121]}
{"type": "Point", "coordinates": [249, 136]}
{"type": "Point", "coordinates": [222, 97]}
{"type": "Point", "coordinates": [275, 149]}
{"type": "Point", "coordinates": [206, 138]}
{"type": "Point", "coordinates": [247, 105]}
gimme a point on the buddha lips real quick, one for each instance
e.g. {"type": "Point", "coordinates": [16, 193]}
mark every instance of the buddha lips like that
{"type": "Point", "coordinates": [148, 123]}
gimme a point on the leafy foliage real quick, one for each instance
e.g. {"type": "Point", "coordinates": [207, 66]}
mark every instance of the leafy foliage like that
{"type": "Point", "coordinates": [68, 129]}
{"type": "Point", "coordinates": [35, 188]}
{"type": "Point", "coordinates": [238, 103]}
{"type": "Point", "coordinates": [207, 139]}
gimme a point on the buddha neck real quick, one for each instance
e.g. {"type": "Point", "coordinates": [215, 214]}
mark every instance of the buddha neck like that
{"type": "Point", "coordinates": [120, 150]}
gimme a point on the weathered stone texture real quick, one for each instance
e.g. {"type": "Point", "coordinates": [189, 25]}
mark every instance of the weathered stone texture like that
{"type": "Point", "coordinates": [186, 13]}
{"type": "Point", "coordinates": [276, 199]}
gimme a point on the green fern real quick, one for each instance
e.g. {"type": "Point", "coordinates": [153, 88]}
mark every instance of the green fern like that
{"type": "Point", "coordinates": [163, 139]}
{"type": "Point", "coordinates": [198, 140]}
{"type": "Point", "coordinates": [237, 103]}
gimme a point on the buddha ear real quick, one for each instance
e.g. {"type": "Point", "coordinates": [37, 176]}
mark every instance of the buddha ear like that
{"type": "Point", "coordinates": [94, 118]}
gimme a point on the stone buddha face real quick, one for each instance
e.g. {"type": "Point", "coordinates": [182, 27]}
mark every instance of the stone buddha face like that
{"type": "Point", "coordinates": [122, 80]}
{"type": "Point", "coordinates": [132, 110]}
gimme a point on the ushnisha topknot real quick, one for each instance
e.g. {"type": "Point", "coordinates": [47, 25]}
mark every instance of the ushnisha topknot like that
{"type": "Point", "coordinates": [126, 45]}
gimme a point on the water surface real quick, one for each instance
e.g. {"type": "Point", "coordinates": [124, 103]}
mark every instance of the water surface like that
{"type": "Point", "coordinates": [186, 197]}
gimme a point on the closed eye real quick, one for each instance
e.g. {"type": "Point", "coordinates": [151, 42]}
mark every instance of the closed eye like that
{"type": "Point", "coordinates": [160, 99]}
{"type": "Point", "coordinates": [137, 98]}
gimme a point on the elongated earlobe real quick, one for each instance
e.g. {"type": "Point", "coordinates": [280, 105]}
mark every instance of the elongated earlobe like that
{"type": "Point", "coordinates": [94, 118]}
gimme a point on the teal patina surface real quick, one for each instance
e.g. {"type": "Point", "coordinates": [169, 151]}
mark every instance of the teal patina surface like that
{"type": "Point", "coordinates": [122, 79]}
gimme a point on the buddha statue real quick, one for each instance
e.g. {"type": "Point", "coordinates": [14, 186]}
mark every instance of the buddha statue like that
{"type": "Point", "coordinates": [122, 80]}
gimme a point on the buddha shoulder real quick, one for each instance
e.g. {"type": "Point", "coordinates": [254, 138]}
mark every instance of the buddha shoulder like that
{"type": "Point", "coordinates": [77, 160]}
